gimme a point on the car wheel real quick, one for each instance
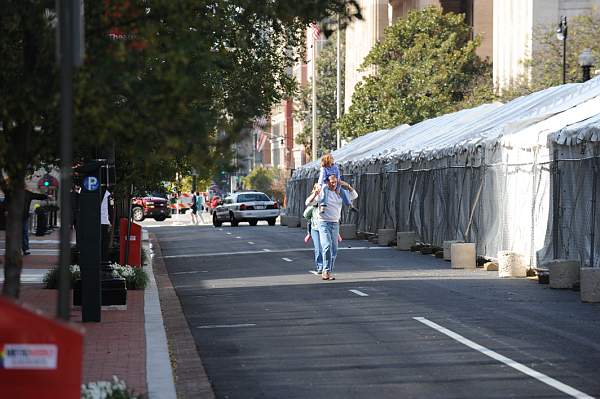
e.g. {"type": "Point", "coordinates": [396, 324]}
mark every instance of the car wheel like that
{"type": "Point", "coordinates": [253, 222]}
{"type": "Point", "coordinates": [160, 218]}
{"type": "Point", "coordinates": [271, 221]}
{"type": "Point", "coordinates": [138, 214]}
{"type": "Point", "coordinates": [216, 222]}
{"type": "Point", "coordinates": [234, 221]}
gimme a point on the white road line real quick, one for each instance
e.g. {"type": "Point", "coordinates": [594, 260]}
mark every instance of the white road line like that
{"type": "Point", "coordinates": [313, 272]}
{"type": "Point", "coordinates": [238, 237]}
{"type": "Point", "coordinates": [228, 233]}
{"type": "Point", "coordinates": [261, 251]}
{"type": "Point", "coordinates": [227, 326]}
{"type": "Point", "coordinates": [250, 242]}
{"type": "Point", "coordinates": [287, 259]}
{"type": "Point", "coordinates": [266, 250]}
{"type": "Point", "coordinates": [192, 272]}
{"type": "Point", "coordinates": [359, 293]}
{"type": "Point", "coordinates": [509, 362]}
{"type": "Point", "coordinates": [220, 229]}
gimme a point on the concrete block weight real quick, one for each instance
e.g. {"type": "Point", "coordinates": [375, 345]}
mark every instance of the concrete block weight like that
{"type": "Point", "coordinates": [590, 284]}
{"type": "Point", "coordinates": [303, 223]}
{"type": "Point", "coordinates": [448, 248]}
{"type": "Point", "coordinates": [385, 236]}
{"type": "Point", "coordinates": [348, 231]}
{"type": "Point", "coordinates": [293, 221]}
{"type": "Point", "coordinates": [564, 273]}
{"type": "Point", "coordinates": [405, 240]}
{"type": "Point", "coordinates": [511, 264]}
{"type": "Point", "coordinates": [283, 220]}
{"type": "Point", "coordinates": [463, 256]}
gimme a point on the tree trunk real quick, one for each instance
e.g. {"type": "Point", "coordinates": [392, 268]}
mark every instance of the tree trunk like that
{"type": "Point", "coordinates": [13, 257]}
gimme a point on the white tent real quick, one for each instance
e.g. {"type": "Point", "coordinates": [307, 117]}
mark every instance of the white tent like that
{"type": "Point", "coordinates": [519, 176]}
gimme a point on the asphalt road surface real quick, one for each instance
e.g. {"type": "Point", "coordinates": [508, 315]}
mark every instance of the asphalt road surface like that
{"type": "Point", "coordinates": [393, 325]}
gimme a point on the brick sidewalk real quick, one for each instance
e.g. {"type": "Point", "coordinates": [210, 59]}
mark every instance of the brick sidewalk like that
{"type": "Point", "coordinates": [116, 345]}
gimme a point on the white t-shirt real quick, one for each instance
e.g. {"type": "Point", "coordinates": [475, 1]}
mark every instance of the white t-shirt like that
{"type": "Point", "coordinates": [333, 210]}
{"type": "Point", "coordinates": [104, 219]}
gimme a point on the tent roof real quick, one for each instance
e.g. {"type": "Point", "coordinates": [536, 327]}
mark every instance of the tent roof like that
{"type": "Point", "coordinates": [483, 125]}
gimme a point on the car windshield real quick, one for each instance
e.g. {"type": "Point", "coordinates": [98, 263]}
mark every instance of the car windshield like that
{"type": "Point", "coordinates": [252, 197]}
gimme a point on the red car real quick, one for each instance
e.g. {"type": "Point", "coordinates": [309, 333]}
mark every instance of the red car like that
{"type": "Point", "coordinates": [150, 207]}
{"type": "Point", "coordinates": [215, 202]}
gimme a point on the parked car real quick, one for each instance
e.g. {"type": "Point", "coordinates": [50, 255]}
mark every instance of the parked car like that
{"type": "Point", "coordinates": [246, 206]}
{"type": "Point", "coordinates": [150, 206]}
{"type": "Point", "coordinates": [214, 203]}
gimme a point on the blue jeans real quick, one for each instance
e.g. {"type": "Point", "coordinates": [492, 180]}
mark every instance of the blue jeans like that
{"type": "Point", "coordinates": [314, 233]}
{"type": "Point", "coordinates": [25, 243]}
{"type": "Point", "coordinates": [329, 232]}
{"type": "Point", "coordinates": [343, 195]}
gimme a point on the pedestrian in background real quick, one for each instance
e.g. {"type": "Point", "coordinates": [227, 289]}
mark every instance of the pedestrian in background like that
{"type": "Point", "coordinates": [312, 215]}
{"type": "Point", "coordinates": [29, 196]}
{"type": "Point", "coordinates": [199, 206]}
{"type": "Point", "coordinates": [194, 208]}
{"type": "Point", "coordinates": [329, 225]}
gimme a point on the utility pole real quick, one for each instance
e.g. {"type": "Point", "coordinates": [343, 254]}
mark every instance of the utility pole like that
{"type": "Point", "coordinates": [315, 138]}
{"type": "Point", "coordinates": [70, 31]}
{"type": "Point", "coordinates": [338, 84]}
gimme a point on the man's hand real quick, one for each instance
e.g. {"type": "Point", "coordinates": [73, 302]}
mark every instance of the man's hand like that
{"type": "Point", "coordinates": [346, 185]}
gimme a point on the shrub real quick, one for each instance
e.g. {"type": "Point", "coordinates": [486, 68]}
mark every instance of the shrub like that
{"type": "Point", "coordinates": [115, 389]}
{"type": "Point", "coordinates": [51, 278]}
{"type": "Point", "coordinates": [136, 278]}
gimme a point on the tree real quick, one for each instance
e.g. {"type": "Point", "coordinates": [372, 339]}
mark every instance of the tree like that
{"type": "Point", "coordinates": [546, 63]}
{"type": "Point", "coordinates": [326, 99]}
{"type": "Point", "coordinates": [165, 85]}
{"type": "Point", "coordinates": [260, 179]}
{"type": "Point", "coordinates": [270, 181]}
{"type": "Point", "coordinates": [422, 68]}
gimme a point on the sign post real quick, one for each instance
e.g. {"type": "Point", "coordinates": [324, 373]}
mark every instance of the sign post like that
{"type": "Point", "coordinates": [90, 249]}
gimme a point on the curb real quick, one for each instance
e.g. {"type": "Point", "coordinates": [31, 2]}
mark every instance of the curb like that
{"type": "Point", "coordinates": [159, 375]}
{"type": "Point", "coordinates": [191, 380]}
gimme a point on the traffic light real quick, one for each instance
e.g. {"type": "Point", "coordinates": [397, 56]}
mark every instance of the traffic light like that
{"type": "Point", "coordinates": [48, 182]}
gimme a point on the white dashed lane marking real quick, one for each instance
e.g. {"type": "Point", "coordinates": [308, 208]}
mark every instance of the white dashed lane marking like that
{"type": "Point", "coordinates": [503, 359]}
{"type": "Point", "coordinates": [287, 259]}
{"type": "Point", "coordinates": [250, 242]}
{"type": "Point", "coordinates": [359, 293]}
{"type": "Point", "coordinates": [227, 326]}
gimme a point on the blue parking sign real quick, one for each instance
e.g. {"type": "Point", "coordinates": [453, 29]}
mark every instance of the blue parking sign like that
{"type": "Point", "coordinates": [91, 183]}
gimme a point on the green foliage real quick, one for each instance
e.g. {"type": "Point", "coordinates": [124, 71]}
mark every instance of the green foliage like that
{"type": "Point", "coordinates": [326, 99]}
{"type": "Point", "coordinates": [425, 65]}
{"type": "Point", "coordinates": [136, 278]}
{"type": "Point", "coordinates": [50, 279]}
{"type": "Point", "coordinates": [114, 389]}
{"type": "Point", "coordinates": [546, 63]}
{"type": "Point", "coordinates": [260, 179]}
{"type": "Point", "coordinates": [165, 85]}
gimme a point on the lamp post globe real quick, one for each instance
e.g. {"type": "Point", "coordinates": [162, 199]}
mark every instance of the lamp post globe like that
{"type": "Point", "coordinates": [561, 34]}
{"type": "Point", "coordinates": [586, 61]}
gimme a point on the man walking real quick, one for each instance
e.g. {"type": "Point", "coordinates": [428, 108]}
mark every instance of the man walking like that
{"type": "Point", "coordinates": [329, 226]}
{"type": "Point", "coordinates": [29, 196]}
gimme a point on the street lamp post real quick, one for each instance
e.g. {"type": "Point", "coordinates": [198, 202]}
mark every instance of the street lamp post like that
{"type": "Point", "coordinates": [586, 61]}
{"type": "Point", "coordinates": [561, 34]}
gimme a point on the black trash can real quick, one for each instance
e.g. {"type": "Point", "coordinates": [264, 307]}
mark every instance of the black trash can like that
{"type": "Point", "coordinates": [41, 215]}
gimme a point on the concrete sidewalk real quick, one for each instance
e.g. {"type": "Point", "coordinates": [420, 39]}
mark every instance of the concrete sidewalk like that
{"type": "Point", "coordinates": [130, 343]}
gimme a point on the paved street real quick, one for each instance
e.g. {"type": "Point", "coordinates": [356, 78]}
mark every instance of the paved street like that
{"type": "Point", "coordinates": [393, 325]}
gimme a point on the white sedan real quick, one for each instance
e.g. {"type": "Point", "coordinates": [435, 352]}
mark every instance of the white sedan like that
{"type": "Point", "coordinates": [247, 206]}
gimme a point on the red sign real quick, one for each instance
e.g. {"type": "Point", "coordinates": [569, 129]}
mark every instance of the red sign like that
{"type": "Point", "coordinates": [40, 357]}
{"type": "Point", "coordinates": [134, 257]}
